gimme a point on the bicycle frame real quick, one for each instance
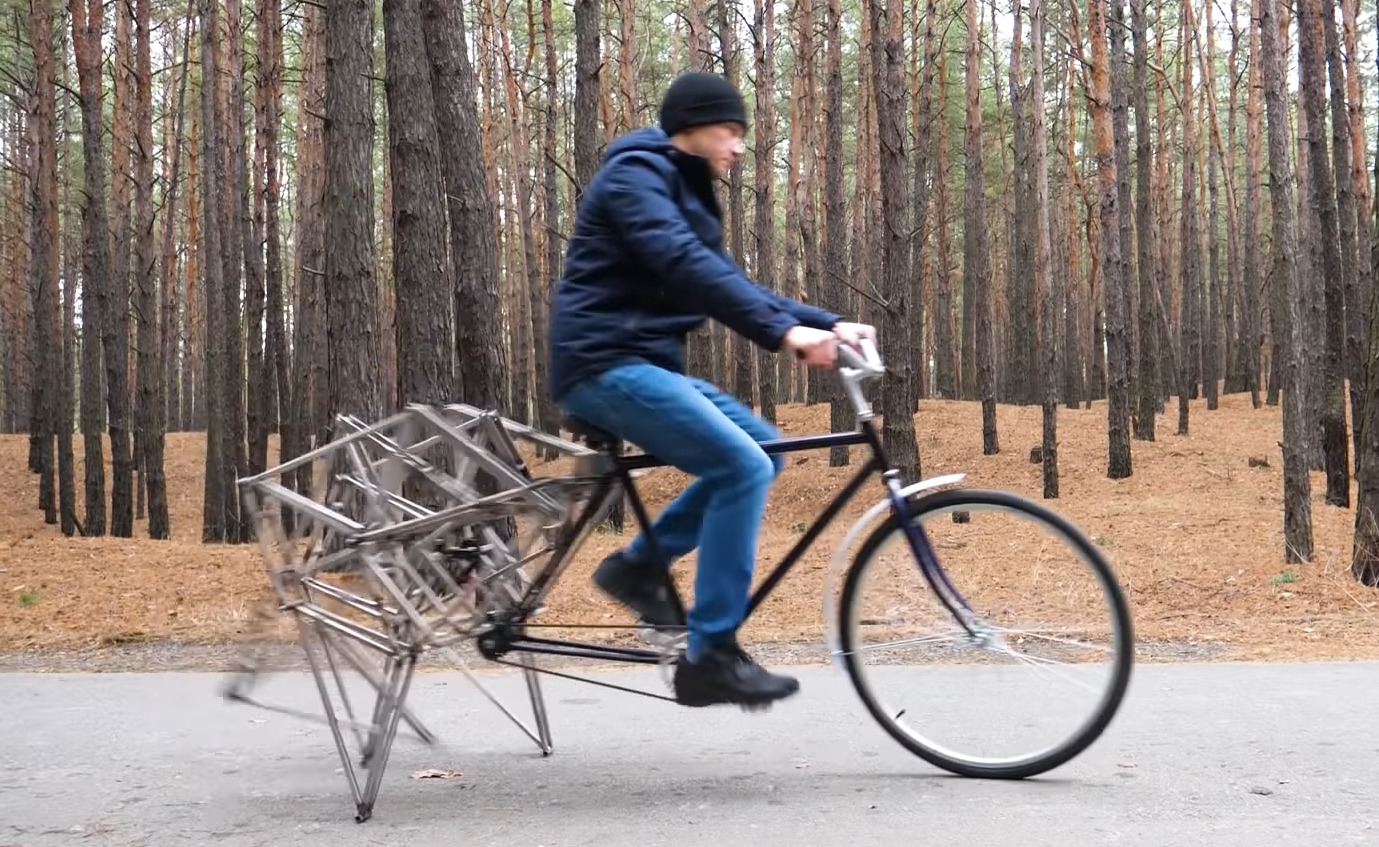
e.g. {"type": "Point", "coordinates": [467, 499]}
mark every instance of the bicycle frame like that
{"type": "Point", "coordinates": [618, 479]}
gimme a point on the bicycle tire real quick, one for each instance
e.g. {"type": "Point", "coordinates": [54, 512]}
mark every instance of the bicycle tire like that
{"type": "Point", "coordinates": [1121, 620]}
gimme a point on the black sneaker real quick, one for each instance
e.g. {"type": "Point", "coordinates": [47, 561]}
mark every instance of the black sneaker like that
{"type": "Point", "coordinates": [639, 588]}
{"type": "Point", "coordinates": [726, 674]}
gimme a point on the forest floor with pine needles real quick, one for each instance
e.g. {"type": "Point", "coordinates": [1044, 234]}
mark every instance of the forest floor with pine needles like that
{"type": "Point", "coordinates": [1195, 536]}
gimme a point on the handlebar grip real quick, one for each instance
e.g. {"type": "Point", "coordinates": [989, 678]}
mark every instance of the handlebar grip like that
{"type": "Point", "coordinates": [849, 357]}
{"type": "Point", "coordinates": [869, 360]}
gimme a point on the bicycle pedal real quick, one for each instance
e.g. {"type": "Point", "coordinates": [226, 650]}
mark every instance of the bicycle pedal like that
{"type": "Point", "coordinates": [668, 641]}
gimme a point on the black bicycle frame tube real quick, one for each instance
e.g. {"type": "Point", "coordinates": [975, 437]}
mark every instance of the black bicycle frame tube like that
{"type": "Point", "coordinates": [621, 472]}
{"type": "Point", "coordinates": [866, 434]}
{"type": "Point", "coordinates": [811, 535]}
{"type": "Point", "coordinates": [789, 444]}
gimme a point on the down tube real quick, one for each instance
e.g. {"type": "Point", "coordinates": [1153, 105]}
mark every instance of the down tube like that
{"type": "Point", "coordinates": [811, 535]}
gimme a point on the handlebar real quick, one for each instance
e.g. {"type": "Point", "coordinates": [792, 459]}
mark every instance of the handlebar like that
{"type": "Point", "coordinates": [866, 365]}
{"type": "Point", "coordinates": [855, 368]}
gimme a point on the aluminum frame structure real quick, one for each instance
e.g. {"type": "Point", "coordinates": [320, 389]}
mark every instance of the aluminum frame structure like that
{"type": "Point", "coordinates": [396, 539]}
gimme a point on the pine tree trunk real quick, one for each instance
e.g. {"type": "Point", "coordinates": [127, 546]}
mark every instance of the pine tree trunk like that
{"type": "Point", "coordinates": [888, 70]}
{"type": "Point", "coordinates": [1120, 126]}
{"type": "Point", "coordinates": [351, 290]}
{"type": "Point", "coordinates": [1251, 325]}
{"type": "Point", "coordinates": [763, 177]}
{"type": "Point", "coordinates": [976, 261]}
{"type": "Point", "coordinates": [260, 394]}
{"type": "Point", "coordinates": [171, 329]}
{"type": "Point", "coordinates": [238, 222]}
{"type": "Point", "coordinates": [48, 403]}
{"type": "Point", "coordinates": [1297, 509]}
{"type": "Point", "coordinates": [152, 405]}
{"type": "Point", "coordinates": [276, 365]}
{"type": "Point", "coordinates": [929, 60]}
{"type": "Point", "coordinates": [420, 272]}
{"type": "Point", "coordinates": [1344, 322]}
{"type": "Point", "coordinates": [473, 217]}
{"type": "Point", "coordinates": [310, 350]}
{"type": "Point", "coordinates": [1113, 281]}
{"type": "Point", "coordinates": [947, 375]}
{"type": "Point", "coordinates": [1046, 365]}
{"type": "Point", "coordinates": [1074, 359]}
{"type": "Point", "coordinates": [586, 103]}
{"type": "Point", "coordinates": [548, 416]}
{"type": "Point", "coordinates": [218, 519]}
{"type": "Point", "coordinates": [86, 38]}
{"type": "Point", "coordinates": [1326, 242]}
{"type": "Point", "coordinates": [791, 376]}
{"type": "Point", "coordinates": [835, 211]}
{"type": "Point", "coordinates": [806, 49]}
{"type": "Point", "coordinates": [1148, 382]}
{"type": "Point", "coordinates": [1020, 382]}
{"type": "Point", "coordinates": [193, 360]}
{"type": "Point", "coordinates": [118, 349]}
{"type": "Point", "coordinates": [1358, 297]}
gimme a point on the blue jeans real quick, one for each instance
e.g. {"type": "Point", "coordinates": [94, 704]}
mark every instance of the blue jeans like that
{"type": "Point", "coordinates": [693, 426]}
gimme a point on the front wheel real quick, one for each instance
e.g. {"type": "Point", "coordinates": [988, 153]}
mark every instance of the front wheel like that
{"type": "Point", "coordinates": [1000, 559]}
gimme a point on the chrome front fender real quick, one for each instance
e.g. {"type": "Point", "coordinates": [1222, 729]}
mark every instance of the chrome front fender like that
{"type": "Point", "coordinates": [839, 560]}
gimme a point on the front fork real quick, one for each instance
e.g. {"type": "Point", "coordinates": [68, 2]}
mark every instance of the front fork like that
{"type": "Point", "coordinates": [926, 559]}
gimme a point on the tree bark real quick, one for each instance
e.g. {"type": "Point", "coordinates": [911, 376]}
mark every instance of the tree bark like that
{"type": "Point", "coordinates": [763, 177]}
{"type": "Point", "coordinates": [1020, 377]}
{"type": "Point", "coordinates": [351, 290]}
{"type": "Point", "coordinates": [218, 515]}
{"type": "Point", "coordinates": [1357, 297]}
{"type": "Point", "coordinates": [1112, 269]}
{"type": "Point", "coordinates": [1251, 325]}
{"type": "Point", "coordinates": [95, 306]}
{"type": "Point", "coordinates": [1147, 384]}
{"type": "Point", "coordinates": [152, 406]}
{"type": "Point", "coordinates": [309, 333]}
{"type": "Point", "coordinates": [422, 279]}
{"type": "Point", "coordinates": [947, 371]}
{"type": "Point", "coordinates": [1120, 126]}
{"type": "Point", "coordinates": [1189, 324]}
{"type": "Point", "coordinates": [1297, 509]}
{"type": "Point", "coordinates": [1326, 245]}
{"type": "Point", "coordinates": [888, 69]}
{"type": "Point", "coordinates": [548, 415]}
{"type": "Point", "coordinates": [976, 260]}
{"type": "Point", "coordinates": [48, 403]}
{"type": "Point", "coordinates": [835, 210]}
{"type": "Point", "coordinates": [238, 222]}
{"type": "Point", "coordinates": [1047, 363]}
{"type": "Point", "coordinates": [586, 102]}
{"type": "Point", "coordinates": [121, 199]}
{"type": "Point", "coordinates": [472, 218]}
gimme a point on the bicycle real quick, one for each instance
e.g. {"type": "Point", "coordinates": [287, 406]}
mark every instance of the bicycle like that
{"type": "Point", "coordinates": [438, 537]}
{"type": "Point", "coordinates": [611, 475]}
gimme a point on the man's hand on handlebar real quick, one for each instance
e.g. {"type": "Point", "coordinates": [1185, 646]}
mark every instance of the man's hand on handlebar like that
{"type": "Point", "coordinates": [819, 348]}
{"type": "Point", "coordinates": [816, 347]}
{"type": "Point", "coordinates": [852, 334]}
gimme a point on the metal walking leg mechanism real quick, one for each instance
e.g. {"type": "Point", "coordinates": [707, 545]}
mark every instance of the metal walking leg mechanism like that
{"type": "Point", "coordinates": [399, 538]}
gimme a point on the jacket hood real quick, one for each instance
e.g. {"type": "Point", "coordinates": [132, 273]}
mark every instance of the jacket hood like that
{"type": "Point", "coordinates": [652, 139]}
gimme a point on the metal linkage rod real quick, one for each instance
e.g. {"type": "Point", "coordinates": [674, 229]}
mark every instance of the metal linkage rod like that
{"type": "Point", "coordinates": [403, 537]}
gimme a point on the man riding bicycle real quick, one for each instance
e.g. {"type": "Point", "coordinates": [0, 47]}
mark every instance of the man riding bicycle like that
{"type": "Point", "coordinates": [646, 265]}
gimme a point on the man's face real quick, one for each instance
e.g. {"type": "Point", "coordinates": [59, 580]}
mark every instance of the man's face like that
{"type": "Point", "coordinates": [721, 144]}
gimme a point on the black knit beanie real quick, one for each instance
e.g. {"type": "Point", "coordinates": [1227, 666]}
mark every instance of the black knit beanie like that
{"type": "Point", "coordinates": [696, 98]}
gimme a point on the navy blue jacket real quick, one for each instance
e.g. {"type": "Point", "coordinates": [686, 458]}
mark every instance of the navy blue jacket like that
{"type": "Point", "coordinates": [645, 266]}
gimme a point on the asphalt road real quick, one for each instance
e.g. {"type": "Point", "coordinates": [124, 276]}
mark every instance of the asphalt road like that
{"type": "Point", "coordinates": [1239, 755]}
